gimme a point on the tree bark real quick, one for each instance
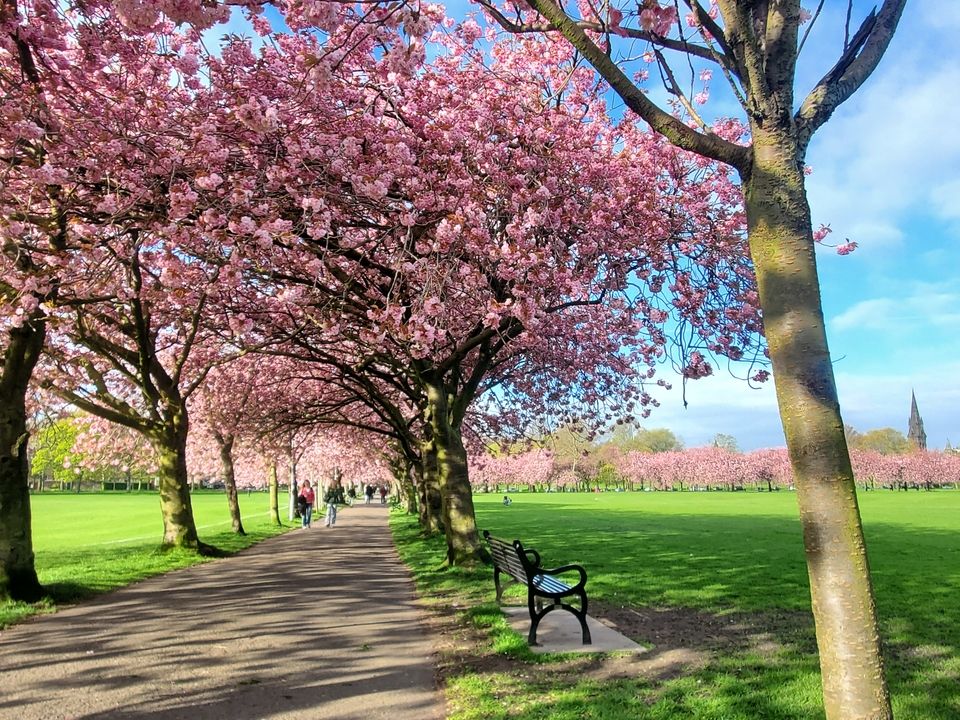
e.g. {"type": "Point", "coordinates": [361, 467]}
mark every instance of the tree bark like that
{"type": "Point", "coordinates": [431, 511]}
{"type": "Point", "coordinates": [292, 489]}
{"type": "Point", "coordinates": [460, 524]}
{"type": "Point", "coordinates": [782, 247]}
{"type": "Point", "coordinates": [407, 490]}
{"type": "Point", "coordinates": [170, 444]}
{"type": "Point", "coordinates": [274, 496]}
{"type": "Point", "coordinates": [18, 575]}
{"type": "Point", "coordinates": [225, 444]}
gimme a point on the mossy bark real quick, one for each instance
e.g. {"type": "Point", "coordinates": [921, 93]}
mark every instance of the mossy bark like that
{"type": "Point", "coordinates": [18, 575]}
{"type": "Point", "coordinates": [408, 492]}
{"type": "Point", "coordinates": [460, 524]}
{"type": "Point", "coordinates": [170, 444]}
{"type": "Point", "coordinates": [782, 246]}
{"type": "Point", "coordinates": [225, 445]}
{"type": "Point", "coordinates": [431, 506]}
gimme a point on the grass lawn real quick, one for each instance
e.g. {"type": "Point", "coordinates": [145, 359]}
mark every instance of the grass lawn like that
{"type": "Point", "coordinates": [90, 543]}
{"type": "Point", "coordinates": [725, 574]}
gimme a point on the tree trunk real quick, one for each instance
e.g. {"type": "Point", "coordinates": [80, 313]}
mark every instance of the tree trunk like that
{"type": "Point", "coordinates": [274, 496]}
{"type": "Point", "coordinates": [225, 444]}
{"type": "Point", "coordinates": [460, 523]}
{"type": "Point", "coordinates": [408, 491]}
{"type": "Point", "coordinates": [18, 575]}
{"type": "Point", "coordinates": [431, 510]}
{"type": "Point", "coordinates": [292, 488]}
{"type": "Point", "coordinates": [782, 247]}
{"type": "Point", "coordinates": [170, 444]}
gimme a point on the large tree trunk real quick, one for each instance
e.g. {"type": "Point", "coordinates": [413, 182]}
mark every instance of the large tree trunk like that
{"type": "Point", "coordinates": [170, 444]}
{"type": "Point", "coordinates": [431, 510]}
{"type": "Point", "coordinates": [274, 496]}
{"type": "Point", "coordinates": [18, 575]}
{"type": "Point", "coordinates": [782, 246]}
{"type": "Point", "coordinates": [460, 523]}
{"type": "Point", "coordinates": [408, 492]}
{"type": "Point", "coordinates": [225, 444]}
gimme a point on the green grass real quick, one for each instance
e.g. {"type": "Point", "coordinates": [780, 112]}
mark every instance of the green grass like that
{"type": "Point", "coordinates": [734, 555]}
{"type": "Point", "coordinates": [91, 543]}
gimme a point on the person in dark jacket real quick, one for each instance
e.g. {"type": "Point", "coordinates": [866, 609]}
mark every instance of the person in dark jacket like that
{"type": "Point", "coordinates": [333, 497]}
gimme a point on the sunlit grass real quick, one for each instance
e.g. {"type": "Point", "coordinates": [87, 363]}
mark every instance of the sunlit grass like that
{"type": "Point", "coordinates": [728, 554]}
{"type": "Point", "coordinates": [91, 543]}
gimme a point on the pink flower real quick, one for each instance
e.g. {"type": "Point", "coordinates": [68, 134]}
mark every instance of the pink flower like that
{"type": "Point", "coordinates": [846, 248]}
{"type": "Point", "coordinates": [821, 232]}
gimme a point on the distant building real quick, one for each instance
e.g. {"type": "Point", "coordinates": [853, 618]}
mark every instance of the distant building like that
{"type": "Point", "coordinates": [915, 433]}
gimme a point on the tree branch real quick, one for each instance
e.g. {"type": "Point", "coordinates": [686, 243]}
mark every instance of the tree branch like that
{"type": "Point", "coordinates": [855, 65]}
{"type": "Point", "coordinates": [662, 122]}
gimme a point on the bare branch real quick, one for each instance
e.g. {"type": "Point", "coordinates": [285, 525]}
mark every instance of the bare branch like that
{"type": "Point", "coordinates": [813, 20]}
{"type": "Point", "coordinates": [853, 68]}
{"type": "Point", "coordinates": [519, 27]}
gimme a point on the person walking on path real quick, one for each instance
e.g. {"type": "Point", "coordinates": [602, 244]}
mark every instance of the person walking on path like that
{"type": "Point", "coordinates": [333, 497]}
{"type": "Point", "coordinates": [368, 494]}
{"type": "Point", "coordinates": [383, 495]}
{"type": "Point", "coordinates": [306, 500]}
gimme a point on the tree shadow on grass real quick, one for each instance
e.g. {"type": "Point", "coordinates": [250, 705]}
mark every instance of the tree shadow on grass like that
{"type": "Point", "coordinates": [714, 572]}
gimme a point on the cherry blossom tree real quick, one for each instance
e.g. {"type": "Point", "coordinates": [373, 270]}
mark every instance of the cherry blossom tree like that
{"type": "Point", "coordinates": [449, 235]}
{"type": "Point", "coordinates": [101, 444]}
{"type": "Point", "coordinates": [50, 66]}
{"type": "Point", "coordinates": [755, 46]}
{"type": "Point", "coordinates": [227, 407]}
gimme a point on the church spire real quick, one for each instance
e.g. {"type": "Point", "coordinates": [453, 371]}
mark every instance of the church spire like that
{"type": "Point", "coordinates": [915, 432]}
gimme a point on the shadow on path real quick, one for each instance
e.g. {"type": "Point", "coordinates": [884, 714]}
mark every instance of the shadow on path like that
{"type": "Point", "coordinates": [317, 623]}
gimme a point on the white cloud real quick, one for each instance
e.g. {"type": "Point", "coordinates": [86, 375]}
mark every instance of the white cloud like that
{"type": "Point", "coordinates": [888, 150]}
{"type": "Point", "coordinates": [865, 314]}
{"type": "Point", "coordinates": [720, 404]}
{"type": "Point", "coordinates": [723, 404]}
{"type": "Point", "coordinates": [927, 306]}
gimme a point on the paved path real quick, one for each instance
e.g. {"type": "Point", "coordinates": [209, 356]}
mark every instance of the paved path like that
{"type": "Point", "coordinates": [258, 636]}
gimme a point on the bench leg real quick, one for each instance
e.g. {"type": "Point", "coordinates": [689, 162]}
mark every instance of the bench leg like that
{"type": "Point", "coordinates": [537, 613]}
{"type": "Point", "coordinates": [582, 617]}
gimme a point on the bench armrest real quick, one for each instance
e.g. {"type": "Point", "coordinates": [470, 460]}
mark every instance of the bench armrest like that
{"type": "Point", "coordinates": [533, 557]}
{"type": "Point", "coordinates": [568, 568]}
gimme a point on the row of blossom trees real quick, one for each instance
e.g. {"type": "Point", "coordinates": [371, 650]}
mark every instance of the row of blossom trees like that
{"type": "Point", "coordinates": [330, 231]}
{"type": "Point", "coordinates": [421, 241]}
{"type": "Point", "coordinates": [706, 468]}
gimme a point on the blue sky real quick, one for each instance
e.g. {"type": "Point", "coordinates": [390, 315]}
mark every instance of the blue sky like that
{"type": "Point", "coordinates": [887, 175]}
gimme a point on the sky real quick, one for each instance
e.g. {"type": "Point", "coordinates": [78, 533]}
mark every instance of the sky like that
{"type": "Point", "coordinates": [886, 174]}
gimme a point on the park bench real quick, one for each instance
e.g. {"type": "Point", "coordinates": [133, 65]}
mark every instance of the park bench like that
{"type": "Point", "coordinates": [523, 566]}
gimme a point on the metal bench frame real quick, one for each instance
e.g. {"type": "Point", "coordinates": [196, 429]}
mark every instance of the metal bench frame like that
{"type": "Point", "coordinates": [523, 566]}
